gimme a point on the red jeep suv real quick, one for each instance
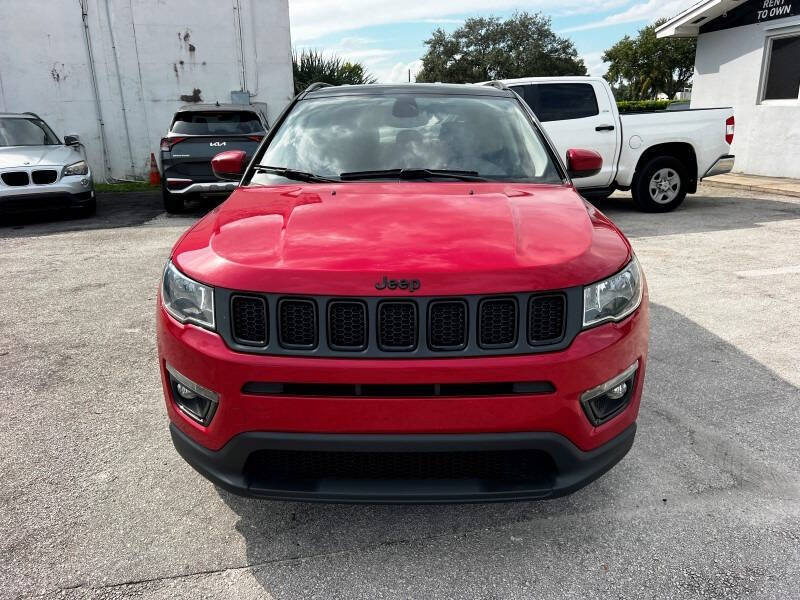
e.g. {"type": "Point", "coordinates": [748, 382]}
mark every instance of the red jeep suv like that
{"type": "Point", "coordinates": [405, 300]}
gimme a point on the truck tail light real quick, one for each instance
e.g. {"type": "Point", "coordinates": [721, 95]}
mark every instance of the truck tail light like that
{"type": "Point", "coordinates": [168, 143]}
{"type": "Point", "coordinates": [730, 128]}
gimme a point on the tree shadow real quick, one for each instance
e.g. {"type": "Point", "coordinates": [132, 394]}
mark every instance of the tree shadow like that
{"type": "Point", "coordinates": [114, 210]}
{"type": "Point", "coordinates": [692, 444]}
{"type": "Point", "coordinates": [707, 211]}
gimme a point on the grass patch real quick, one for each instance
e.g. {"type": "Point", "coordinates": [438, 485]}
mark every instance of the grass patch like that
{"type": "Point", "coordinates": [125, 186]}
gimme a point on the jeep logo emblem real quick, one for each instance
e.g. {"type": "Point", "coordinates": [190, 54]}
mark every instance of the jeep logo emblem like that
{"type": "Point", "coordinates": [398, 284]}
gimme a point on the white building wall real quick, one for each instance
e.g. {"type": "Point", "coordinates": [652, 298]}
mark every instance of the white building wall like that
{"type": "Point", "coordinates": [728, 71]}
{"type": "Point", "coordinates": [164, 49]}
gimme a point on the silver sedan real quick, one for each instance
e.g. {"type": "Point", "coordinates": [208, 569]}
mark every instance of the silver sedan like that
{"type": "Point", "coordinates": [40, 172]}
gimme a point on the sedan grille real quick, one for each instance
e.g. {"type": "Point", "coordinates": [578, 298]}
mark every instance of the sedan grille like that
{"type": "Point", "coordinates": [44, 176]}
{"type": "Point", "coordinates": [15, 178]}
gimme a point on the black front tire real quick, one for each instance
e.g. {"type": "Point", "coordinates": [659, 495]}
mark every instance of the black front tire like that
{"type": "Point", "coordinates": [661, 186]}
{"type": "Point", "coordinates": [173, 203]}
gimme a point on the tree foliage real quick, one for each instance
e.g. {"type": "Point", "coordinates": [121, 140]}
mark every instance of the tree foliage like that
{"type": "Point", "coordinates": [311, 66]}
{"type": "Point", "coordinates": [489, 48]}
{"type": "Point", "coordinates": [646, 66]}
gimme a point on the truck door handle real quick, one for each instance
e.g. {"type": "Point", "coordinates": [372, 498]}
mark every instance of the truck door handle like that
{"type": "Point", "coordinates": [604, 128]}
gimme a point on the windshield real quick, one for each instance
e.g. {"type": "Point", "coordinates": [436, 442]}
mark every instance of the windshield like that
{"type": "Point", "coordinates": [486, 136]}
{"type": "Point", "coordinates": [216, 123]}
{"type": "Point", "coordinates": [26, 132]}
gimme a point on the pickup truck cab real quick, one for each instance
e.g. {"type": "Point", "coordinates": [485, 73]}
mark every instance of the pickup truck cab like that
{"type": "Point", "coordinates": [404, 300]}
{"type": "Point", "coordinates": [659, 156]}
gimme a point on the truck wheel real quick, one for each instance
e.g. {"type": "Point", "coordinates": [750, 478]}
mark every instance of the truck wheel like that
{"type": "Point", "coordinates": [173, 203]}
{"type": "Point", "coordinates": [661, 185]}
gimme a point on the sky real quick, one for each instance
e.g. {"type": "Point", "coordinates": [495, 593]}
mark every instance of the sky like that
{"type": "Point", "coordinates": [388, 36]}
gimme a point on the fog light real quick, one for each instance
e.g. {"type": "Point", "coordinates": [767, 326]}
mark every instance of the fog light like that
{"type": "Point", "coordinates": [191, 398]}
{"type": "Point", "coordinates": [617, 392]}
{"type": "Point", "coordinates": [184, 392]}
{"type": "Point", "coordinates": [606, 401]}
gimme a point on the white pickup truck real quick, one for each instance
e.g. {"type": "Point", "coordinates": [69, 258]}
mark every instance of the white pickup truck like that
{"type": "Point", "coordinates": [659, 156]}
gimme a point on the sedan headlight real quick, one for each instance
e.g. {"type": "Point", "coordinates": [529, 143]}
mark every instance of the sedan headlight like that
{"type": "Point", "coordinates": [186, 299]}
{"type": "Point", "coordinates": [614, 298]}
{"type": "Point", "coordinates": [78, 168]}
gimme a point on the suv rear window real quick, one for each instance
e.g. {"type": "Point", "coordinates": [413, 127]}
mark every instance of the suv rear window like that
{"type": "Point", "coordinates": [216, 123]}
{"type": "Point", "coordinates": [560, 101]}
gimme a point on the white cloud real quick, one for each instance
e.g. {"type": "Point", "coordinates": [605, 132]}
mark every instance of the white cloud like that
{"type": "Point", "coordinates": [594, 63]}
{"type": "Point", "coordinates": [312, 19]}
{"type": "Point", "coordinates": [644, 11]}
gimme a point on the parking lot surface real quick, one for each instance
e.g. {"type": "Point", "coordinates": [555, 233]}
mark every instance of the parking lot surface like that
{"type": "Point", "coordinates": [96, 503]}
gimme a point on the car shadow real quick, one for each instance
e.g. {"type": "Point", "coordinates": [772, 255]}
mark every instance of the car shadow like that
{"type": "Point", "coordinates": [712, 209]}
{"type": "Point", "coordinates": [690, 446]}
{"type": "Point", "coordinates": [114, 210]}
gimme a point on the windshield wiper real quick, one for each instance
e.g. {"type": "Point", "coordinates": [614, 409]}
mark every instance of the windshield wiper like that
{"type": "Point", "coordinates": [412, 174]}
{"type": "Point", "coordinates": [295, 175]}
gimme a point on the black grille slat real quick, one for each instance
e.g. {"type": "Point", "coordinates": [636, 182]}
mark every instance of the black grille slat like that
{"type": "Point", "coordinates": [546, 319]}
{"type": "Point", "coordinates": [15, 178]}
{"type": "Point", "coordinates": [447, 325]}
{"type": "Point", "coordinates": [249, 320]}
{"type": "Point", "coordinates": [498, 323]}
{"type": "Point", "coordinates": [297, 323]}
{"type": "Point", "coordinates": [397, 326]}
{"type": "Point", "coordinates": [344, 390]}
{"type": "Point", "coordinates": [304, 465]}
{"type": "Point", "coordinates": [347, 325]}
{"type": "Point", "coordinates": [44, 176]}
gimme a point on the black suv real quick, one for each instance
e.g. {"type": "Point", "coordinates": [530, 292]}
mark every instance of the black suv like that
{"type": "Point", "coordinates": [198, 132]}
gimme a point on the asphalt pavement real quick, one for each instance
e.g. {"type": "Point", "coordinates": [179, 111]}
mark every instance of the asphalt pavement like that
{"type": "Point", "coordinates": [95, 503]}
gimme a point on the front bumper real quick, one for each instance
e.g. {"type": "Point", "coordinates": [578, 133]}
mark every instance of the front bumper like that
{"type": "Point", "coordinates": [73, 191]}
{"type": "Point", "coordinates": [572, 468]}
{"type": "Point", "coordinates": [553, 423]}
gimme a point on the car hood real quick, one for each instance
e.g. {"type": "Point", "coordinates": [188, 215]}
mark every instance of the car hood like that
{"type": "Point", "coordinates": [37, 156]}
{"type": "Point", "coordinates": [456, 238]}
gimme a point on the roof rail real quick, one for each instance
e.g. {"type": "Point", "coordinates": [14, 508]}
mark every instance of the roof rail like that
{"type": "Point", "coordinates": [33, 114]}
{"type": "Point", "coordinates": [317, 85]}
{"type": "Point", "coordinates": [496, 84]}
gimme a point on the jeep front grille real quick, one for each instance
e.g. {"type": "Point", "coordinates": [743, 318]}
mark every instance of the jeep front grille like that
{"type": "Point", "coordinates": [392, 327]}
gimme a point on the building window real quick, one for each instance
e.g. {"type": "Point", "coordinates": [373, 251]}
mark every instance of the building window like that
{"type": "Point", "coordinates": [783, 69]}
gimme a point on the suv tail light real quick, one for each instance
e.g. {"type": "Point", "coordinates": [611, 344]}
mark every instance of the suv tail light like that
{"type": "Point", "coordinates": [255, 138]}
{"type": "Point", "coordinates": [730, 128]}
{"type": "Point", "coordinates": [168, 143]}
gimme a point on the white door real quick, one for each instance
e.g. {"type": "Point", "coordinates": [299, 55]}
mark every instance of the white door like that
{"type": "Point", "coordinates": [577, 115]}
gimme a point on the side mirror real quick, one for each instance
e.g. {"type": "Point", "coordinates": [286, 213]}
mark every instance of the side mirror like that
{"type": "Point", "coordinates": [72, 140]}
{"type": "Point", "coordinates": [583, 163]}
{"type": "Point", "coordinates": [229, 165]}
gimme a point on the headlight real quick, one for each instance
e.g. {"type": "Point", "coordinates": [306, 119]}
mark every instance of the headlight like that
{"type": "Point", "coordinates": [78, 168]}
{"type": "Point", "coordinates": [614, 298]}
{"type": "Point", "coordinates": [187, 300]}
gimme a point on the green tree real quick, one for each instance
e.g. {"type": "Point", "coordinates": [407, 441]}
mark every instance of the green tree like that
{"type": "Point", "coordinates": [646, 66]}
{"type": "Point", "coordinates": [489, 48]}
{"type": "Point", "coordinates": [311, 66]}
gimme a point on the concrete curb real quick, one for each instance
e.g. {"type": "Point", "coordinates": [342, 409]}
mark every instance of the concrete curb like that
{"type": "Point", "coordinates": [792, 191]}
